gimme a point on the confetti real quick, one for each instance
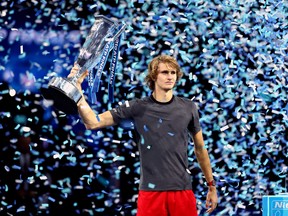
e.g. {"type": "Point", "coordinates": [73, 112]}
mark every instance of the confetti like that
{"type": "Point", "coordinates": [150, 185]}
{"type": "Point", "coordinates": [234, 58]}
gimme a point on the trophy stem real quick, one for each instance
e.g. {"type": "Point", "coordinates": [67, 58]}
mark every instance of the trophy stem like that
{"type": "Point", "coordinates": [75, 78]}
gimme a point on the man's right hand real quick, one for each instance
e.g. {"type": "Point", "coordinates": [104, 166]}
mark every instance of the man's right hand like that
{"type": "Point", "coordinates": [73, 72]}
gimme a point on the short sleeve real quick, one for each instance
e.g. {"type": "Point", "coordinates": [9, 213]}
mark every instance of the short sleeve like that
{"type": "Point", "coordinates": [124, 111]}
{"type": "Point", "coordinates": [194, 124]}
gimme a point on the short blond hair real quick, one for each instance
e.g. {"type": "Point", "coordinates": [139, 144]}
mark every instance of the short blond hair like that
{"type": "Point", "coordinates": [153, 69]}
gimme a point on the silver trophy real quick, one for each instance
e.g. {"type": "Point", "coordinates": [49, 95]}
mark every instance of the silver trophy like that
{"type": "Point", "coordinates": [63, 91]}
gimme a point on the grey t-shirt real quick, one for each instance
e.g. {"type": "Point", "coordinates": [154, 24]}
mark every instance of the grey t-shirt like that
{"type": "Point", "coordinates": [163, 140]}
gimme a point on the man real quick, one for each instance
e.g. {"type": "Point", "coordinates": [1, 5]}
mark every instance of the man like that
{"type": "Point", "coordinates": [163, 122]}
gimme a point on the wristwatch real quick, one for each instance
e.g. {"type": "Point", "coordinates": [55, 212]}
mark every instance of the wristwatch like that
{"type": "Point", "coordinates": [211, 183]}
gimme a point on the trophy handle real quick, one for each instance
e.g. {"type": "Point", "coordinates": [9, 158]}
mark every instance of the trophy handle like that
{"type": "Point", "coordinates": [122, 26]}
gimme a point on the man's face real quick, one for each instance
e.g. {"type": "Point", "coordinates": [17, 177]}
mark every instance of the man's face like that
{"type": "Point", "coordinates": [166, 77]}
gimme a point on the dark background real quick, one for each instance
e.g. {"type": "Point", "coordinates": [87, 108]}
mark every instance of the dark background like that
{"type": "Point", "coordinates": [234, 59]}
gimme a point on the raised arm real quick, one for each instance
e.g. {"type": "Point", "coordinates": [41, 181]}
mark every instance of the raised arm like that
{"type": "Point", "coordinates": [89, 118]}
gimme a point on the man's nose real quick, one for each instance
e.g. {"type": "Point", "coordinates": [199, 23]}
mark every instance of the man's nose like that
{"type": "Point", "coordinates": [170, 75]}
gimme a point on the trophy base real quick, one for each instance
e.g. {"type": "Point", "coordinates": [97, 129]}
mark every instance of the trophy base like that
{"type": "Point", "coordinates": [63, 93]}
